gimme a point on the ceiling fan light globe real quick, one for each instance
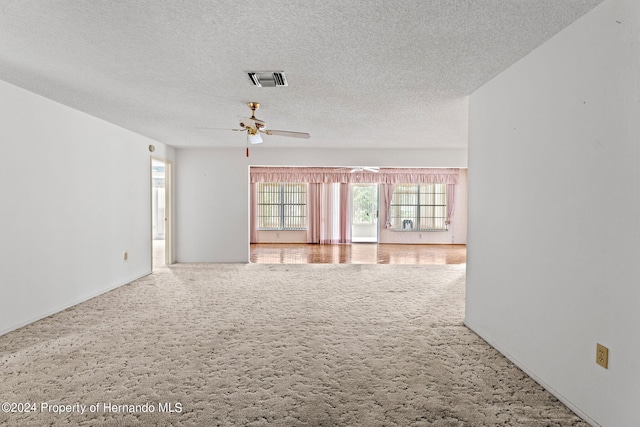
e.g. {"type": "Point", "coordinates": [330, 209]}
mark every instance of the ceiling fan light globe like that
{"type": "Point", "coordinates": [255, 139]}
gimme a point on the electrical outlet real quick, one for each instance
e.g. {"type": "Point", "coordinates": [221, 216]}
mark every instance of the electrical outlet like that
{"type": "Point", "coordinates": [602, 356]}
{"type": "Point", "coordinates": [125, 256]}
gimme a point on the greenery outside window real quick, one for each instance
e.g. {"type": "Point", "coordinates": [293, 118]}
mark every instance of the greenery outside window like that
{"type": "Point", "coordinates": [282, 206]}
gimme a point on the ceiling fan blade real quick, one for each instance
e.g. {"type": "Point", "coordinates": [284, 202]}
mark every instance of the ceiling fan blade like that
{"type": "Point", "coordinates": [236, 130]}
{"type": "Point", "coordinates": [287, 133]}
{"type": "Point", "coordinates": [247, 122]}
{"type": "Point", "coordinates": [373, 169]}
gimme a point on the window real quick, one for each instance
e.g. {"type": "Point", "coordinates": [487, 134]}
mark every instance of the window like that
{"type": "Point", "coordinates": [282, 206]}
{"type": "Point", "coordinates": [419, 207]}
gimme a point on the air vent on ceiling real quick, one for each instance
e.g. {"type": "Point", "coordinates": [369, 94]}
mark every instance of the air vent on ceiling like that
{"type": "Point", "coordinates": [268, 78]}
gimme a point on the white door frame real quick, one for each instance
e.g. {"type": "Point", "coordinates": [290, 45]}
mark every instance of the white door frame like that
{"type": "Point", "coordinates": [168, 209]}
{"type": "Point", "coordinates": [375, 238]}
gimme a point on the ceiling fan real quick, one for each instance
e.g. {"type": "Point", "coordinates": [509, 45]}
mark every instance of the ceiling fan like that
{"type": "Point", "coordinates": [373, 169]}
{"type": "Point", "coordinates": [256, 127]}
{"type": "Point", "coordinates": [356, 169]}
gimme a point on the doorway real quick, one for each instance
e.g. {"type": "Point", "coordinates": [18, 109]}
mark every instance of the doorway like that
{"type": "Point", "coordinates": [364, 213]}
{"type": "Point", "coordinates": [160, 213]}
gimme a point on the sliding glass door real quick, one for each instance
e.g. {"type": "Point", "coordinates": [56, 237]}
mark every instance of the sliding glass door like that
{"type": "Point", "coordinates": [364, 213]}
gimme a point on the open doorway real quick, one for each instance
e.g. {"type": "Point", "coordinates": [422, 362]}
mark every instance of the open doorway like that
{"type": "Point", "coordinates": [160, 213]}
{"type": "Point", "coordinates": [364, 213]}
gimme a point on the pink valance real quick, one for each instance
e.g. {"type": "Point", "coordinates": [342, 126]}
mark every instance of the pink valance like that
{"type": "Point", "coordinates": [344, 175]}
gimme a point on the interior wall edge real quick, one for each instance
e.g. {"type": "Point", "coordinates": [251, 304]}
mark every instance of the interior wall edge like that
{"type": "Point", "coordinates": [487, 338]}
{"type": "Point", "coordinates": [71, 304]}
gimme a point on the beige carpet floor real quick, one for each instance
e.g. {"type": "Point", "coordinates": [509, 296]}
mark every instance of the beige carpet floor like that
{"type": "Point", "coordinates": [270, 345]}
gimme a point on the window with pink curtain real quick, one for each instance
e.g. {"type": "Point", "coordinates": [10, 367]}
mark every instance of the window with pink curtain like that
{"type": "Point", "coordinates": [328, 196]}
{"type": "Point", "coordinates": [419, 207]}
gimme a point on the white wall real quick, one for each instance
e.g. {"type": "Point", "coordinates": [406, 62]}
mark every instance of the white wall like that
{"type": "Point", "coordinates": [212, 199]}
{"type": "Point", "coordinates": [212, 190]}
{"type": "Point", "coordinates": [75, 196]}
{"type": "Point", "coordinates": [554, 213]}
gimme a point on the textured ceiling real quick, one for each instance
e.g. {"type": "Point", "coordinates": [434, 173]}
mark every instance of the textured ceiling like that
{"type": "Point", "coordinates": [361, 73]}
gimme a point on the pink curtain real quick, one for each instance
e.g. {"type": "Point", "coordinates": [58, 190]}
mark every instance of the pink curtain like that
{"type": "Point", "coordinates": [313, 212]}
{"type": "Point", "coordinates": [345, 214]}
{"type": "Point", "coordinates": [335, 218]}
{"type": "Point", "coordinates": [344, 175]}
{"type": "Point", "coordinates": [387, 190]}
{"type": "Point", "coordinates": [253, 213]}
{"type": "Point", "coordinates": [327, 215]}
{"type": "Point", "coordinates": [451, 202]}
